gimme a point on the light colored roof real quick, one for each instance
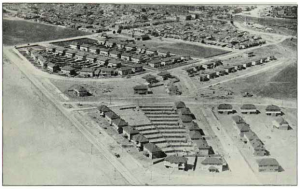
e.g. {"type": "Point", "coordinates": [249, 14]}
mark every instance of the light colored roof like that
{"type": "Point", "coordinates": [195, 135]}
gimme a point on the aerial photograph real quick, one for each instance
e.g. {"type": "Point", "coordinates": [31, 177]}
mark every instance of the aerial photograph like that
{"type": "Point", "coordinates": [101, 94]}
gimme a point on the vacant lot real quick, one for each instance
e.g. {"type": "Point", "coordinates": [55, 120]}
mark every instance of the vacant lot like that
{"type": "Point", "coordinates": [19, 32]}
{"type": "Point", "coordinates": [192, 50]}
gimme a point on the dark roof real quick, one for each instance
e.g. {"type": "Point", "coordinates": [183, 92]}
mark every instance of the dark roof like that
{"type": "Point", "coordinates": [152, 148]}
{"type": "Point", "coordinates": [185, 111]}
{"type": "Point", "coordinates": [140, 87]}
{"type": "Point", "coordinates": [104, 108]}
{"type": "Point", "coordinates": [243, 127]}
{"type": "Point", "coordinates": [176, 159]}
{"type": "Point", "coordinates": [267, 162]}
{"type": "Point", "coordinates": [164, 73]}
{"type": "Point", "coordinates": [192, 126]}
{"type": "Point", "coordinates": [212, 161]}
{"type": "Point", "coordinates": [140, 138]}
{"type": "Point", "coordinates": [195, 135]}
{"type": "Point", "coordinates": [248, 107]}
{"type": "Point", "coordinates": [112, 115]}
{"type": "Point", "coordinates": [225, 107]}
{"type": "Point", "coordinates": [79, 88]}
{"type": "Point", "coordinates": [87, 70]}
{"type": "Point", "coordinates": [120, 122]}
{"type": "Point", "coordinates": [238, 119]}
{"type": "Point", "coordinates": [149, 76]}
{"type": "Point", "coordinates": [272, 108]}
{"type": "Point", "coordinates": [130, 130]}
{"type": "Point", "coordinates": [186, 118]}
{"type": "Point", "coordinates": [179, 104]}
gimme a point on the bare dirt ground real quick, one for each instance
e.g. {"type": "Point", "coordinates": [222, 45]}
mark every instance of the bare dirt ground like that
{"type": "Point", "coordinates": [40, 146]}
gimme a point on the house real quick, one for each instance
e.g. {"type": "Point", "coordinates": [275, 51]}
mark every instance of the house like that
{"type": "Point", "coordinates": [68, 70]}
{"type": "Point", "coordinates": [137, 58]}
{"type": "Point", "coordinates": [152, 151]}
{"type": "Point", "coordinates": [107, 72]}
{"type": "Point", "coordinates": [104, 51]}
{"type": "Point", "coordinates": [150, 79]}
{"type": "Point", "coordinates": [255, 143]}
{"type": "Point", "coordinates": [185, 111]}
{"type": "Point", "coordinates": [154, 63]}
{"type": "Point", "coordinates": [273, 110]}
{"type": "Point", "coordinates": [163, 53]}
{"type": "Point", "coordinates": [101, 41]}
{"type": "Point", "coordinates": [121, 44]}
{"type": "Point", "coordinates": [87, 72]}
{"type": "Point", "coordinates": [80, 56]}
{"type": "Point", "coordinates": [151, 51]}
{"type": "Point", "coordinates": [113, 63]}
{"type": "Point", "coordinates": [53, 67]}
{"type": "Point", "coordinates": [248, 109]}
{"type": "Point", "coordinates": [70, 53]}
{"type": "Point", "coordinates": [60, 51]}
{"type": "Point", "coordinates": [85, 47]}
{"type": "Point", "coordinates": [165, 75]}
{"type": "Point", "coordinates": [118, 124]}
{"type": "Point", "coordinates": [268, 165]}
{"type": "Point", "coordinates": [79, 91]}
{"type": "Point", "coordinates": [203, 147]}
{"type": "Point", "coordinates": [238, 119]}
{"type": "Point", "coordinates": [225, 108]}
{"type": "Point", "coordinates": [213, 164]}
{"type": "Point", "coordinates": [281, 123]}
{"type": "Point", "coordinates": [186, 118]}
{"type": "Point", "coordinates": [141, 89]}
{"type": "Point", "coordinates": [94, 49]}
{"type": "Point", "coordinates": [140, 140]}
{"type": "Point", "coordinates": [179, 105]}
{"type": "Point", "coordinates": [137, 68]}
{"type": "Point", "coordinates": [91, 58]}
{"type": "Point", "coordinates": [192, 126]}
{"type": "Point", "coordinates": [176, 162]}
{"type": "Point", "coordinates": [102, 61]}
{"type": "Point", "coordinates": [129, 132]}
{"type": "Point", "coordinates": [125, 56]}
{"type": "Point", "coordinates": [103, 110]}
{"type": "Point", "coordinates": [43, 61]}
{"type": "Point", "coordinates": [140, 49]}
{"type": "Point", "coordinates": [110, 44]}
{"type": "Point", "coordinates": [167, 61]}
{"type": "Point", "coordinates": [125, 71]}
{"type": "Point", "coordinates": [142, 37]}
{"type": "Point", "coordinates": [130, 47]}
{"type": "Point", "coordinates": [195, 135]}
{"type": "Point", "coordinates": [115, 54]}
{"type": "Point", "coordinates": [110, 116]}
{"type": "Point", "coordinates": [243, 128]}
{"type": "Point", "coordinates": [75, 45]}
{"type": "Point", "coordinates": [50, 48]}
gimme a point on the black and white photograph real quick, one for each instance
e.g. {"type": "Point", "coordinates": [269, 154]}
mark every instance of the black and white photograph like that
{"type": "Point", "coordinates": [149, 94]}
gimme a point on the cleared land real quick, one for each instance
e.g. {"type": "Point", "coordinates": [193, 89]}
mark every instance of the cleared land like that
{"type": "Point", "coordinates": [19, 32]}
{"type": "Point", "coordinates": [40, 146]}
{"type": "Point", "coordinates": [192, 50]}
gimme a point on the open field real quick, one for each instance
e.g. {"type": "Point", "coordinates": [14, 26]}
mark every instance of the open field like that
{"type": "Point", "coordinates": [192, 50]}
{"type": "Point", "coordinates": [19, 32]}
{"type": "Point", "coordinates": [45, 149]}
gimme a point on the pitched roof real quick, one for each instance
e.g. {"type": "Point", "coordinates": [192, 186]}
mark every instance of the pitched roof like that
{"type": "Point", "coordinates": [201, 144]}
{"type": "Point", "coordinates": [87, 70]}
{"type": "Point", "coordinates": [243, 127]}
{"type": "Point", "coordinates": [104, 108]}
{"type": "Point", "coordinates": [192, 126]}
{"type": "Point", "coordinates": [67, 68]}
{"type": "Point", "coordinates": [225, 107]}
{"type": "Point", "coordinates": [185, 111]}
{"type": "Point", "coordinates": [267, 162]}
{"type": "Point", "coordinates": [248, 107]}
{"type": "Point", "coordinates": [212, 161]}
{"type": "Point", "coordinates": [195, 135]}
{"type": "Point", "coordinates": [130, 130]}
{"type": "Point", "coordinates": [272, 108]}
{"type": "Point", "coordinates": [120, 122]}
{"type": "Point", "coordinates": [238, 119]}
{"type": "Point", "coordinates": [186, 118]}
{"type": "Point", "coordinates": [112, 115]}
{"type": "Point", "coordinates": [176, 159]}
{"type": "Point", "coordinates": [179, 104]}
{"type": "Point", "coordinates": [152, 147]}
{"type": "Point", "coordinates": [281, 121]}
{"type": "Point", "coordinates": [140, 138]}
{"type": "Point", "coordinates": [140, 87]}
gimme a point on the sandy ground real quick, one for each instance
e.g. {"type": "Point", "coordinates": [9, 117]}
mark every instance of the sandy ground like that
{"type": "Point", "coordinates": [40, 146]}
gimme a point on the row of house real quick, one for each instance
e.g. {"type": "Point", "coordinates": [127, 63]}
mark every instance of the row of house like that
{"type": "Point", "coordinates": [211, 70]}
{"type": "Point", "coordinates": [272, 110]}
